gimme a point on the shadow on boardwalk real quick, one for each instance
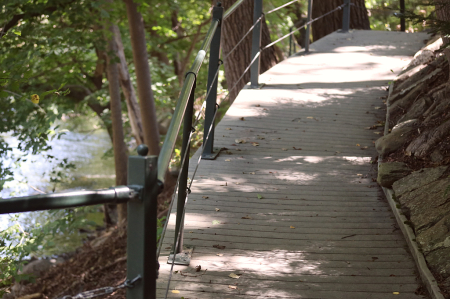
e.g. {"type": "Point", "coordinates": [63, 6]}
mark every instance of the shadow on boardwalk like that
{"type": "Point", "coordinates": [290, 206]}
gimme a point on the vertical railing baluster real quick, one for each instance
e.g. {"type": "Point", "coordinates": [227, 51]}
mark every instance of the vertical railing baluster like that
{"type": "Point", "coordinates": [290, 41]}
{"type": "Point", "coordinates": [142, 225]}
{"type": "Point", "coordinates": [346, 17]}
{"type": "Point", "coordinates": [295, 47]}
{"type": "Point", "coordinates": [308, 27]}
{"type": "Point", "coordinates": [182, 185]}
{"type": "Point", "coordinates": [209, 153]}
{"type": "Point", "coordinates": [402, 16]}
{"type": "Point", "coordinates": [256, 44]}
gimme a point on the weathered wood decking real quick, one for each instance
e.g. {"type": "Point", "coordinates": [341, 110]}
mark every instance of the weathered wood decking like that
{"type": "Point", "coordinates": [322, 228]}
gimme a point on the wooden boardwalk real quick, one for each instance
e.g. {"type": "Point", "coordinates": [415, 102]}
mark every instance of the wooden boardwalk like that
{"type": "Point", "coordinates": [294, 211]}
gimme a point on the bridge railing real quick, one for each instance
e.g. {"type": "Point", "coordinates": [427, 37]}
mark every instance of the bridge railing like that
{"type": "Point", "coordinates": [146, 174]}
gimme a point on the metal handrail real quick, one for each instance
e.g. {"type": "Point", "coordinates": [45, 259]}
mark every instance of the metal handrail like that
{"type": "Point", "coordinates": [180, 109]}
{"type": "Point", "coordinates": [232, 9]}
{"type": "Point", "coordinates": [64, 200]}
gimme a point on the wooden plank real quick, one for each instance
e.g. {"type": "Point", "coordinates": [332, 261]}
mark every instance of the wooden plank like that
{"type": "Point", "coordinates": [328, 281]}
{"type": "Point", "coordinates": [255, 287]}
{"type": "Point", "coordinates": [319, 241]}
{"type": "Point", "coordinates": [188, 294]}
{"type": "Point", "coordinates": [331, 295]}
{"type": "Point", "coordinates": [299, 255]}
{"type": "Point", "coordinates": [209, 245]}
{"type": "Point", "coordinates": [300, 234]}
{"type": "Point", "coordinates": [277, 203]}
{"type": "Point", "coordinates": [194, 221]}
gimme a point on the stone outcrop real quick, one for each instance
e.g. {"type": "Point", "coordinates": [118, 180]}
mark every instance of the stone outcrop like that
{"type": "Point", "coordinates": [390, 172]}
{"type": "Point", "coordinates": [419, 116]}
{"type": "Point", "coordinates": [424, 200]}
{"type": "Point", "coordinates": [397, 138]}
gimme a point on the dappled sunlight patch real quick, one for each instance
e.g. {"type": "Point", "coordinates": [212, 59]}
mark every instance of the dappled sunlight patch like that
{"type": "Point", "coordinates": [354, 160]}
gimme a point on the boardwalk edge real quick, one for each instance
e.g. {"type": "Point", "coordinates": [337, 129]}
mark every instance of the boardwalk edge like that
{"type": "Point", "coordinates": [425, 273]}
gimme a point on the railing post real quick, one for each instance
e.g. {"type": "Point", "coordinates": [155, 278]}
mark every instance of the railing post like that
{"type": "Point", "coordinates": [402, 16]}
{"type": "Point", "coordinates": [256, 44]}
{"type": "Point", "coordinates": [308, 27]}
{"type": "Point", "coordinates": [142, 226]}
{"type": "Point", "coordinates": [295, 47]}
{"type": "Point", "coordinates": [182, 185]}
{"type": "Point", "coordinates": [209, 153]}
{"type": "Point", "coordinates": [290, 41]}
{"type": "Point", "coordinates": [346, 17]}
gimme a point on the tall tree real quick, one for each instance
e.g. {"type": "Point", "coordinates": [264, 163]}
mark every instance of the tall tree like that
{"type": "Point", "coordinates": [359, 18]}
{"type": "Point", "coordinates": [120, 149]}
{"type": "Point", "coordinates": [443, 15]}
{"type": "Point", "coordinates": [144, 82]}
{"type": "Point", "coordinates": [134, 113]}
{"type": "Point", "coordinates": [443, 18]}
{"type": "Point", "coordinates": [234, 28]}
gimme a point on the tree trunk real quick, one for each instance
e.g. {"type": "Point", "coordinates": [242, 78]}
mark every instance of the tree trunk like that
{"type": "Point", "coordinates": [299, 21]}
{"type": "Point", "coordinates": [443, 14]}
{"type": "Point", "coordinates": [234, 28]}
{"type": "Point", "coordinates": [144, 84]}
{"type": "Point", "coordinates": [120, 149]}
{"type": "Point", "coordinates": [359, 18]}
{"type": "Point", "coordinates": [134, 112]}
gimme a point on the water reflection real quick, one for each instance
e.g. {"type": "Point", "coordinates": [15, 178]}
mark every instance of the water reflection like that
{"type": "Point", "coordinates": [82, 146]}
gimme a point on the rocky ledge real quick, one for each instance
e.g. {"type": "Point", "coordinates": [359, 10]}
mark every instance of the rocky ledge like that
{"type": "Point", "coordinates": [415, 154]}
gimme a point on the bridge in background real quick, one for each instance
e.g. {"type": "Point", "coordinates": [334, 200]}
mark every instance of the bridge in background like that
{"type": "Point", "coordinates": [290, 206]}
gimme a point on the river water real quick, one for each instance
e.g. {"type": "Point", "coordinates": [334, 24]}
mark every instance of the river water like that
{"type": "Point", "coordinates": [81, 145]}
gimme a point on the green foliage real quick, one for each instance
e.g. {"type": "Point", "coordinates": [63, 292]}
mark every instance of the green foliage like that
{"type": "Point", "coordinates": [160, 226]}
{"type": "Point", "coordinates": [43, 234]}
{"type": "Point", "coordinates": [385, 14]}
{"type": "Point", "coordinates": [430, 19]}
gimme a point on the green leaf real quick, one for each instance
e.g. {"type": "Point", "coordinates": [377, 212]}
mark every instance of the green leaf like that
{"type": "Point", "coordinates": [104, 14]}
{"type": "Point", "coordinates": [62, 85]}
{"type": "Point", "coordinates": [259, 196]}
{"type": "Point", "coordinates": [17, 33]}
{"type": "Point", "coordinates": [214, 222]}
{"type": "Point", "coordinates": [47, 92]}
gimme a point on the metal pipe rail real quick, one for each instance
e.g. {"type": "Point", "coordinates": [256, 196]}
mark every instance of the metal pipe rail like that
{"type": "Point", "coordinates": [180, 109]}
{"type": "Point", "coordinates": [64, 200]}
{"type": "Point", "coordinates": [232, 9]}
